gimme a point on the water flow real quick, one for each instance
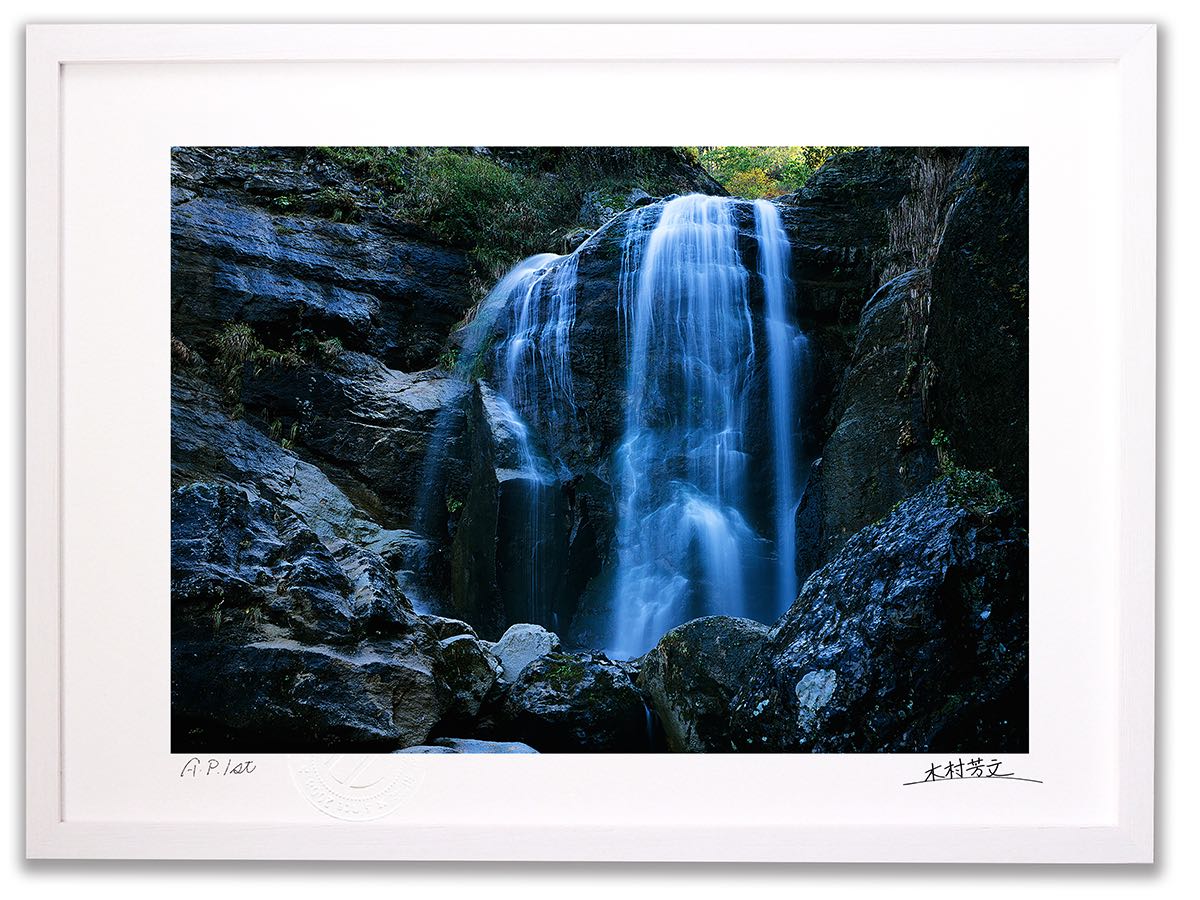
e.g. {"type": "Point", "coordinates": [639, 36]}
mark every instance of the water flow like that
{"type": "Point", "coordinates": [518, 283]}
{"type": "Point", "coordinates": [774, 263]}
{"type": "Point", "coordinates": [535, 356]}
{"type": "Point", "coordinates": [684, 547]}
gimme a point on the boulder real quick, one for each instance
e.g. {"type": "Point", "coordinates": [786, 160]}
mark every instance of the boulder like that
{"type": "Point", "coordinates": [575, 703]}
{"type": "Point", "coordinates": [913, 639]}
{"type": "Point", "coordinates": [521, 645]}
{"type": "Point", "coordinates": [282, 696]}
{"type": "Point", "coordinates": [692, 675]}
{"type": "Point", "coordinates": [444, 628]}
{"type": "Point", "coordinates": [469, 671]}
{"type": "Point", "coordinates": [468, 745]}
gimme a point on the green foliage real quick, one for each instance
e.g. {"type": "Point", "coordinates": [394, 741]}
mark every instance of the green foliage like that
{"type": "Point", "coordinates": [502, 205]}
{"type": "Point", "coordinates": [448, 359]}
{"type": "Point", "coordinates": [237, 345]}
{"type": "Point", "coordinates": [754, 172]}
{"type": "Point", "coordinates": [977, 491]}
{"type": "Point", "coordinates": [311, 346]}
{"type": "Point", "coordinates": [341, 206]}
{"type": "Point", "coordinates": [752, 184]}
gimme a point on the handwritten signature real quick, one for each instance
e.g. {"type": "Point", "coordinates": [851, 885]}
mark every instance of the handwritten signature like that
{"type": "Point", "coordinates": [198, 768]}
{"type": "Point", "coordinates": [964, 771]}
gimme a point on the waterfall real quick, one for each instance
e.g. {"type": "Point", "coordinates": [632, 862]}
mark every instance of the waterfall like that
{"type": "Point", "coordinates": [786, 349]}
{"type": "Point", "coordinates": [684, 548]}
{"type": "Point", "coordinates": [705, 473]}
{"type": "Point", "coordinates": [536, 351]}
{"type": "Point", "coordinates": [513, 290]}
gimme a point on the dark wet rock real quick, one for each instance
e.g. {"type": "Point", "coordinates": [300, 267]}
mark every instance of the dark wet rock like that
{"type": "Point", "coordinates": [238, 254]}
{"type": "Point", "coordinates": [398, 434]}
{"type": "Point", "coordinates": [469, 670]}
{"type": "Point", "coordinates": [692, 675]}
{"type": "Point", "coordinates": [879, 452]}
{"type": "Point", "coordinates": [283, 640]}
{"type": "Point", "coordinates": [282, 696]}
{"type": "Point", "coordinates": [468, 745]}
{"type": "Point", "coordinates": [913, 638]}
{"type": "Point", "coordinates": [501, 573]}
{"type": "Point", "coordinates": [521, 645]}
{"type": "Point", "coordinates": [444, 628]}
{"type": "Point", "coordinates": [238, 560]}
{"type": "Point", "coordinates": [564, 703]}
{"type": "Point", "coordinates": [979, 319]}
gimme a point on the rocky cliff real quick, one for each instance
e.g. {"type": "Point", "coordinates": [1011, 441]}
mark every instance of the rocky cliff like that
{"type": "Point", "coordinates": [345, 546]}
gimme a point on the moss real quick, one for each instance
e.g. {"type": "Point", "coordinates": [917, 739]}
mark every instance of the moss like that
{"type": "Point", "coordinates": [971, 489]}
{"type": "Point", "coordinates": [563, 673]}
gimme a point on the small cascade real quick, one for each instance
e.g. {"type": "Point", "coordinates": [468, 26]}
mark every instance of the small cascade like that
{"type": "Point", "coordinates": [535, 355]}
{"type": "Point", "coordinates": [517, 285]}
{"type": "Point", "coordinates": [786, 357]}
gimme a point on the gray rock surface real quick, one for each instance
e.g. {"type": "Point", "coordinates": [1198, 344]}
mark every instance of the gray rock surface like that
{"type": "Point", "coordinates": [912, 639]}
{"type": "Point", "coordinates": [692, 675]}
{"type": "Point", "coordinates": [521, 645]}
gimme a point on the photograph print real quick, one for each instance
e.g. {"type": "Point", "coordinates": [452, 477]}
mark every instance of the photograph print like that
{"type": "Point", "coordinates": [599, 449]}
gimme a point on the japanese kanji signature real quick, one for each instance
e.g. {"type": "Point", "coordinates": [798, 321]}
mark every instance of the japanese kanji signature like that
{"type": "Point", "coordinates": [957, 770]}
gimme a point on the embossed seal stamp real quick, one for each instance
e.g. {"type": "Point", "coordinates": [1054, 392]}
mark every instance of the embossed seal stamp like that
{"type": "Point", "coordinates": [354, 788]}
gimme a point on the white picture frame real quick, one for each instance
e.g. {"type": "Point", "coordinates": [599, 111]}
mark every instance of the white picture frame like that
{"type": "Point", "coordinates": [74, 811]}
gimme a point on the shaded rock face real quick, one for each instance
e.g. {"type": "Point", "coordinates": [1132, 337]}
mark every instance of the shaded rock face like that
{"type": "Point", "coordinates": [691, 676]}
{"type": "Point", "coordinates": [235, 257]}
{"type": "Point", "coordinates": [387, 431]}
{"type": "Point", "coordinates": [979, 331]}
{"type": "Point", "coordinates": [940, 348]}
{"type": "Point", "coordinates": [508, 551]}
{"type": "Point", "coordinates": [913, 638]}
{"type": "Point", "coordinates": [879, 452]}
{"type": "Point", "coordinates": [575, 703]}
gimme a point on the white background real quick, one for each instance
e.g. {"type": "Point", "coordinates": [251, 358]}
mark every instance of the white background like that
{"type": "Point", "coordinates": [1177, 615]}
{"type": "Point", "coordinates": [116, 274]}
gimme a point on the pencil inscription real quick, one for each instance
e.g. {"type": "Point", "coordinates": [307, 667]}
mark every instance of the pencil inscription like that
{"type": "Point", "coordinates": [203, 768]}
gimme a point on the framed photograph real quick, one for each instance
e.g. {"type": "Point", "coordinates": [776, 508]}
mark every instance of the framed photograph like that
{"type": "Point", "coordinates": [505, 442]}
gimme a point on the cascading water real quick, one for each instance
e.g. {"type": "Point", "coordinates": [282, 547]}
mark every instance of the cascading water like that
{"type": "Point", "coordinates": [684, 547]}
{"type": "Point", "coordinates": [786, 357]}
{"type": "Point", "coordinates": [536, 351]}
{"type": "Point", "coordinates": [701, 527]}
{"type": "Point", "coordinates": [515, 291]}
